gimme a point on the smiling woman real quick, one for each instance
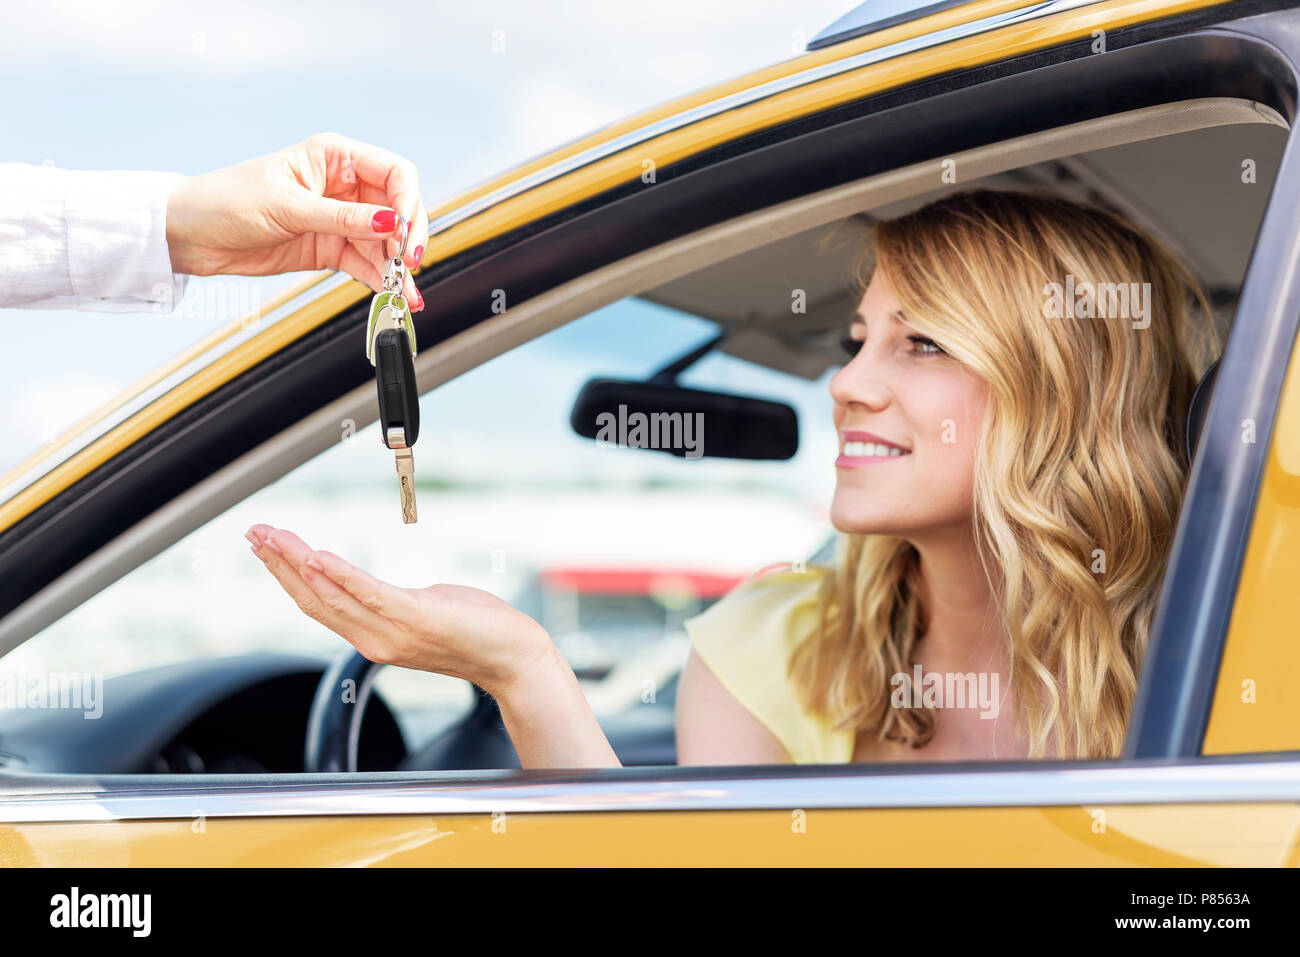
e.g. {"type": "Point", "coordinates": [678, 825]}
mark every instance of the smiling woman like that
{"type": "Point", "coordinates": [1018, 517]}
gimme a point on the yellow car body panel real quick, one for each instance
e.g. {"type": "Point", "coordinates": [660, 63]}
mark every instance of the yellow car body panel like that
{"type": "Point", "coordinates": [1179, 835]}
{"type": "Point", "coordinates": [1257, 697]}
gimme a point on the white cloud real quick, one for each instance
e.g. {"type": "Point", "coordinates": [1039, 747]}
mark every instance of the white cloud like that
{"type": "Point", "coordinates": [673, 42]}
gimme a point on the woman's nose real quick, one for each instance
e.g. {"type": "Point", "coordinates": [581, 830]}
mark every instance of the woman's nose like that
{"type": "Point", "coordinates": [860, 383]}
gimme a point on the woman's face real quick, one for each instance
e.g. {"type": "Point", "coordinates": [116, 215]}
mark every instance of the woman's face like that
{"type": "Point", "coordinates": [908, 417]}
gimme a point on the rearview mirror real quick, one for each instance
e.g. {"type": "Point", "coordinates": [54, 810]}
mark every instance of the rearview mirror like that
{"type": "Point", "coordinates": [689, 423]}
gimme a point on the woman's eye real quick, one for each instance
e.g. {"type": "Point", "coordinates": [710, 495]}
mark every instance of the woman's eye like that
{"type": "Point", "coordinates": [851, 346]}
{"type": "Point", "coordinates": [924, 346]}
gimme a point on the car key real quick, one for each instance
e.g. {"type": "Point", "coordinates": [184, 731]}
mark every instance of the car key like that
{"type": "Point", "coordinates": [399, 409]}
{"type": "Point", "coordinates": [390, 347]}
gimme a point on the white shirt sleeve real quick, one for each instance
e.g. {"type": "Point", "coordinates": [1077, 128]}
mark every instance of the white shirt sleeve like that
{"type": "Point", "coordinates": [72, 239]}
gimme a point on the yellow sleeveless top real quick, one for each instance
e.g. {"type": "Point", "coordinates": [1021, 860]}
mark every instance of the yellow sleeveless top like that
{"type": "Point", "coordinates": [746, 639]}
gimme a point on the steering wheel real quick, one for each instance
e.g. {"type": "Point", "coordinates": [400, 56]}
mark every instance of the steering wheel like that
{"type": "Point", "coordinates": [478, 740]}
{"type": "Point", "coordinates": [334, 725]}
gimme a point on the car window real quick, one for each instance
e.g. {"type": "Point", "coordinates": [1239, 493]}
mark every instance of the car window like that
{"type": "Point", "coordinates": [610, 548]}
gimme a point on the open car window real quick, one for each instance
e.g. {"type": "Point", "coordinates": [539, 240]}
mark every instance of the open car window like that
{"type": "Point", "coordinates": [611, 548]}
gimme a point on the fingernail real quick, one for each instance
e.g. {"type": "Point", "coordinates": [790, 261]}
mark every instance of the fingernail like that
{"type": "Point", "coordinates": [419, 302]}
{"type": "Point", "coordinates": [419, 254]}
{"type": "Point", "coordinates": [384, 221]}
{"type": "Point", "coordinates": [252, 538]}
{"type": "Point", "coordinates": [312, 563]}
{"type": "Point", "coordinates": [272, 546]}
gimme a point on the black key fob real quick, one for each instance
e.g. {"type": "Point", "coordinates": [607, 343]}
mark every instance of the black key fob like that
{"type": "Point", "coordinates": [399, 399]}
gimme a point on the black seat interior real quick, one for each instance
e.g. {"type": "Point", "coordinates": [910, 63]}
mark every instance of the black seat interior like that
{"type": "Point", "coordinates": [1200, 404]}
{"type": "Point", "coordinates": [640, 736]}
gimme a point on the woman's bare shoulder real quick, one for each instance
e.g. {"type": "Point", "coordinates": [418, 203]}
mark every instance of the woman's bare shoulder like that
{"type": "Point", "coordinates": [734, 701]}
{"type": "Point", "coordinates": [713, 727]}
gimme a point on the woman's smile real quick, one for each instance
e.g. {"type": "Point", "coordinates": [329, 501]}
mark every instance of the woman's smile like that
{"type": "Point", "coordinates": [858, 449]}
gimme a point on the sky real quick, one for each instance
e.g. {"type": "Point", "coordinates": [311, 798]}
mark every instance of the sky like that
{"type": "Point", "coordinates": [465, 90]}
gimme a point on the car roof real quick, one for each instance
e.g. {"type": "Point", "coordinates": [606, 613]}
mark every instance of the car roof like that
{"type": "Point", "coordinates": [1147, 181]}
{"type": "Point", "coordinates": [877, 15]}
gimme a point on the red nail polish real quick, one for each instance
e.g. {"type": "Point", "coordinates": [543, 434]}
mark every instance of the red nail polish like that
{"type": "Point", "coordinates": [419, 254]}
{"type": "Point", "coordinates": [419, 301]}
{"type": "Point", "coordinates": [384, 221]}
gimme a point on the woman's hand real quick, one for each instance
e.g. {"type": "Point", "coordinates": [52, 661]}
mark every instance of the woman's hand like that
{"type": "Point", "coordinates": [325, 203]}
{"type": "Point", "coordinates": [453, 630]}
{"type": "Point", "coordinates": [449, 629]}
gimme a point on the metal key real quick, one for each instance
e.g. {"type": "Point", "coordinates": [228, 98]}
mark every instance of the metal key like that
{"type": "Point", "coordinates": [399, 409]}
{"type": "Point", "coordinates": [390, 347]}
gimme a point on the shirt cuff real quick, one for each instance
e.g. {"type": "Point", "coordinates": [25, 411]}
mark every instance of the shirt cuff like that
{"type": "Point", "coordinates": [118, 258]}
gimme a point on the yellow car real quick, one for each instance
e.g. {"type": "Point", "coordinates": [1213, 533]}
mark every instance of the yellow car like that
{"type": "Point", "coordinates": [707, 244]}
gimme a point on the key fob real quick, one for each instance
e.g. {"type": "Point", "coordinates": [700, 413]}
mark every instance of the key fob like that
{"type": "Point", "coordinates": [387, 311]}
{"type": "Point", "coordinates": [399, 399]}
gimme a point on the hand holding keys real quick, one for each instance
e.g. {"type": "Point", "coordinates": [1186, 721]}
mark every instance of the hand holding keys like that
{"type": "Point", "coordinates": [390, 347]}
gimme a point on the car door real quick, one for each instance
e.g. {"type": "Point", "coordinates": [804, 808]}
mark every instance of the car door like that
{"type": "Point", "coordinates": [788, 150]}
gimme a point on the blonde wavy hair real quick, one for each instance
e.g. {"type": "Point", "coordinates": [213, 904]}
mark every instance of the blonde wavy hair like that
{"type": "Point", "coordinates": [1082, 450]}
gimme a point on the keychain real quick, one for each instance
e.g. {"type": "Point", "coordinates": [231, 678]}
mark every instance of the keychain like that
{"type": "Point", "coordinates": [390, 347]}
{"type": "Point", "coordinates": [388, 309]}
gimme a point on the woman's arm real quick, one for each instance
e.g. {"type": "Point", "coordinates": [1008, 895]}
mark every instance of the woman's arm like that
{"type": "Point", "coordinates": [74, 239]}
{"type": "Point", "coordinates": [125, 240]}
{"type": "Point", "coordinates": [550, 721]}
{"type": "Point", "coordinates": [452, 630]}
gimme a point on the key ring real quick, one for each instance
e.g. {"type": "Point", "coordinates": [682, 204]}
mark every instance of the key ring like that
{"type": "Point", "coordinates": [405, 227]}
{"type": "Point", "coordinates": [394, 267]}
